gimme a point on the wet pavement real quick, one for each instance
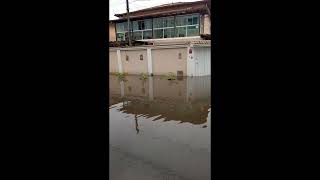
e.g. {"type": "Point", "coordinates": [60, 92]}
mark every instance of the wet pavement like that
{"type": "Point", "coordinates": [160, 129]}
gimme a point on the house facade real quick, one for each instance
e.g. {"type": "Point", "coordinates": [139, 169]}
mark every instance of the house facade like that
{"type": "Point", "coordinates": [176, 20]}
{"type": "Point", "coordinates": [174, 35]}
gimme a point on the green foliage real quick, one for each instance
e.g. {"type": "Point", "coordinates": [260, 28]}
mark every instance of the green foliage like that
{"type": "Point", "coordinates": [143, 76]}
{"type": "Point", "coordinates": [171, 76]}
{"type": "Point", "coordinates": [121, 76]}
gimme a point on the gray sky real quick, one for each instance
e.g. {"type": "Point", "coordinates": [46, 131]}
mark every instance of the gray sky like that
{"type": "Point", "coordinates": [119, 6]}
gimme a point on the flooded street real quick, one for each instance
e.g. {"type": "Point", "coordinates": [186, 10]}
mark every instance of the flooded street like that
{"type": "Point", "coordinates": [160, 129]}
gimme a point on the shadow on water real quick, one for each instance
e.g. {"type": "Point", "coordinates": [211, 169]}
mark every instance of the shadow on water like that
{"type": "Point", "coordinates": [159, 129]}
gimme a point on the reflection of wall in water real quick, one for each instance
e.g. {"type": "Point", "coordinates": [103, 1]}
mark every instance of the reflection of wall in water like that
{"type": "Point", "coordinates": [114, 85]}
{"type": "Point", "coordinates": [159, 88]}
{"type": "Point", "coordinates": [195, 114]}
{"type": "Point", "coordinates": [134, 86]}
{"type": "Point", "coordinates": [186, 100]}
{"type": "Point", "coordinates": [198, 88]}
{"type": "Point", "coordinates": [169, 90]}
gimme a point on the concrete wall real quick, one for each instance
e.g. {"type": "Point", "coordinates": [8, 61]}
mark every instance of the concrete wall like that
{"type": "Point", "coordinates": [164, 61]}
{"type": "Point", "coordinates": [134, 65]}
{"type": "Point", "coordinates": [113, 62]}
{"type": "Point", "coordinates": [112, 32]}
{"type": "Point", "coordinates": [207, 24]}
{"type": "Point", "coordinates": [167, 60]}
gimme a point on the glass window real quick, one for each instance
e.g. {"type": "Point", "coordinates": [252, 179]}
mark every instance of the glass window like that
{"type": "Point", "coordinates": [158, 33]}
{"type": "Point", "coordinates": [135, 25]}
{"type": "Point", "coordinates": [120, 27]}
{"type": "Point", "coordinates": [141, 25]}
{"type": "Point", "coordinates": [148, 23]}
{"type": "Point", "coordinates": [157, 23]}
{"type": "Point", "coordinates": [169, 33]}
{"type": "Point", "coordinates": [195, 20]}
{"type": "Point", "coordinates": [181, 20]}
{"type": "Point", "coordinates": [137, 35]}
{"type": "Point", "coordinates": [147, 34]}
{"type": "Point", "coordinates": [193, 30]}
{"type": "Point", "coordinates": [190, 20]}
{"type": "Point", "coordinates": [181, 32]}
{"type": "Point", "coordinates": [168, 22]}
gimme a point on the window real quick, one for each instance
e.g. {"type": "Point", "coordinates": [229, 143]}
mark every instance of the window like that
{"type": "Point", "coordinates": [192, 30]}
{"type": "Point", "coordinates": [158, 33]}
{"type": "Point", "coordinates": [121, 31]}
{"type": "Point", "coordinates": [147, 34]}
{"type": "Point", "coordinates": [181, 21]}
{"type": "Point", "coordinates": [148, 24]}
{"type": "Point", "coordinates": [122, 27]}
{"type": "Point", "coordinates": [142, 29]}
{"type": "Point", "coordinates": [137, 35]}
{"type": "Point", "coordinates": [163, 27]}
{"type": "Point", "coordinates": [187, 26]}
{"type": "Point", "coordinates": [168, 33]}
{"type": "Point", "coordinates": [158, 23]}
{"type": "Point", "coordinates": [181, 32]}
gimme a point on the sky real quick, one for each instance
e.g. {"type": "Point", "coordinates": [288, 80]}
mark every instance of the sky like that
{"type": "Point", "coordinates": [119, 6]}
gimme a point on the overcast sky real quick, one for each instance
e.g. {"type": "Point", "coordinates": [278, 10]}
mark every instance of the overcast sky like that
{"type": "Point", "coordinates": [119, 6]}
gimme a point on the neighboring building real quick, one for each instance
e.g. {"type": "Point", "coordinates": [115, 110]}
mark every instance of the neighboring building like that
{"type": "Point", "coordinates": [112, 31]}
{"type": "Point", "coordinates": [183, 19]}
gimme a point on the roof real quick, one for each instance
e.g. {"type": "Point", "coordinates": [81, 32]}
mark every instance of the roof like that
{"type": "Point", "coordinates": [166, 10]}
{"type": "Point", "coordinates": [197, 41]}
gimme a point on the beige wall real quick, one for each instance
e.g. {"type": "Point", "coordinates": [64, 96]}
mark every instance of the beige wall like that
{"type": "Point", "coordinates": [207, 24]}
{"type": "Point", "coordinates": [164, 61]}
{"type": "Point", "coordinates": [134, 65]}
{"type": "Point", "coordinates": [113, 61]}
{"type": "Point", "coordinates": [167, 60]}
{"type": "Point", "coordinates": [112, 32]}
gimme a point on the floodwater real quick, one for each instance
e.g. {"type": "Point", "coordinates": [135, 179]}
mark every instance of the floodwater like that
{"type": "Point", "coordinates": [160, 129]}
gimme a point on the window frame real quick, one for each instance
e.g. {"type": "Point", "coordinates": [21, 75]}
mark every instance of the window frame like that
{"type": "Point", "coordinates": [163, 28]}
{"type": "Point", "coordinates": [142, 31]}
{"type": "Point", "coordinates": [187, 25]}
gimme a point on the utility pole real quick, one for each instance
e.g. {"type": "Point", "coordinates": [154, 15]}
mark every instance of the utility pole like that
{"type": "Point", "coordinates": [129, 34]}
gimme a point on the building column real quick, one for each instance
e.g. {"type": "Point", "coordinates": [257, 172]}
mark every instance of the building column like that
{"type": "Point", "coordinates": [119, 61]}
{"type": "Point", "coordinates": [149, 61]}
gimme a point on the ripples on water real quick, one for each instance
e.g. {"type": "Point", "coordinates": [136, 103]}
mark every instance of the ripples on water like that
{"type": "Point", "coordinates": [159, 129]}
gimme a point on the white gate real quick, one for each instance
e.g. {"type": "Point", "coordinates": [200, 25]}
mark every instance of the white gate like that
{"type": "Point", "coordinates": [202, 58]}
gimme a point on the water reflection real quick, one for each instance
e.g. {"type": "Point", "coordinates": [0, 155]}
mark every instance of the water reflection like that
{"type": "Point", "coordinates": [159, 129]}
{"type": "Point", "coordinates": [185, 100]}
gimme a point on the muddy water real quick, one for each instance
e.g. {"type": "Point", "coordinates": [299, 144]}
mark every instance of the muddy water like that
{"type": "Point", "coordinates": [160, 129]}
